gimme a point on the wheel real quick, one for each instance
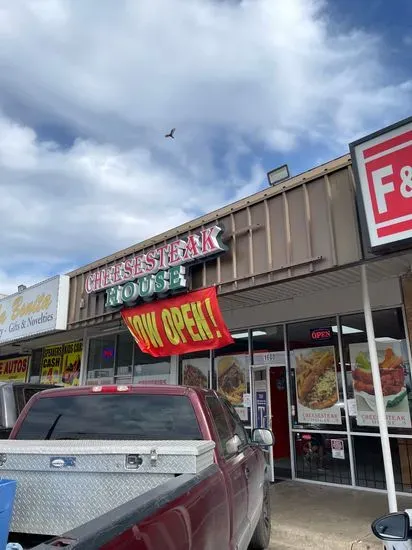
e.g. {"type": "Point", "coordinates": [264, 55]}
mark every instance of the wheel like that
{"type": "Point", "coordinates": [261, 536]}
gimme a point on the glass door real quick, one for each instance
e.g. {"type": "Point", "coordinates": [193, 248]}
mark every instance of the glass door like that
{"type": "Point", "coordinates": [262, 417]}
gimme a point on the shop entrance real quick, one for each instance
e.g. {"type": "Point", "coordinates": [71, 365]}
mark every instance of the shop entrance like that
{"type": "Point", "coordinates": [271, 411]}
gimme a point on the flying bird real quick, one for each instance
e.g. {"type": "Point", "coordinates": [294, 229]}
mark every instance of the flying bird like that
{"type": "Point", "coordinates": [171, 134]}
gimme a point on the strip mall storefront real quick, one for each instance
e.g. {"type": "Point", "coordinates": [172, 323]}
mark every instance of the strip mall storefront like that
{"type": "Point", "coordinates": [294, 271]}
{"type": "Point", "coordinates": [34, 343]}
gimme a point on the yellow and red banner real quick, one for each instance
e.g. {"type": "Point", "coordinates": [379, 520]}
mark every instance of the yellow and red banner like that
{"type": "Point", "coordinates": [61, 364]}
{"type": "Point", "coordinates": [15, 369]}
{"type": "Point", "coordinates": [182, 324]}
{"type": "Point", "coordinates": [51, 365]}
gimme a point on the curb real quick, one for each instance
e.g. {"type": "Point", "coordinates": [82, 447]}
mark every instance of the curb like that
{"type": "Point", "coordinates": [293, 538]}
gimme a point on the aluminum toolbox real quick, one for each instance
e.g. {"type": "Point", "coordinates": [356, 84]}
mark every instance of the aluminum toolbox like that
{"type": "Point", "coordinates": [63, 484]}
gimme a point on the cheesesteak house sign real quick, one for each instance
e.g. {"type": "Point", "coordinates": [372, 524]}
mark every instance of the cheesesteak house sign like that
{"type": "Point", "coordinates": [157, 271]}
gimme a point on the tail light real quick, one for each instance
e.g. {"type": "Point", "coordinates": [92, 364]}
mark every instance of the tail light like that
{"type": "Point", "coordinates": [111, 389]}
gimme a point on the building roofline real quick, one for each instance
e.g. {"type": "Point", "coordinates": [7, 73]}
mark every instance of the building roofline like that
{"type": "Point", "coordinates": [295, 181]}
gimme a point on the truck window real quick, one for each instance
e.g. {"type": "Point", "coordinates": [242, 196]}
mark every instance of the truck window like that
{"type": "Point", "coordinates": [236, 425]}
{"type": "Point", "coordinates": [22, 395]}
{"type": "Point", "coordinates": [111, 416]}
{"type": "Point", "coordinates": [219, 419]}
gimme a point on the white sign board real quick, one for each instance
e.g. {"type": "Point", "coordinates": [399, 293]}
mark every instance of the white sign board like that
{"type": "Point", "coordinates": [37, 310]}
{"type": "Point", "coordinates": [272, 358]}
{"type": "Point", "coordinates": [247, 400]}
{"type": "Point", "coordinates": [338, 448]}
{"type": "Point", "coordinates": [352, 408]}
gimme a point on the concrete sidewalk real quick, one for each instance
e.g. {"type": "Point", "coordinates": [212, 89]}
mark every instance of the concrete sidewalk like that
{"type": "Point", "coordinates": [318, 517]}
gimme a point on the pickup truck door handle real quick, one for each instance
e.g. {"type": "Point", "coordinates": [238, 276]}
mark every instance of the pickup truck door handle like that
{"type": "Point", "coordinates": [247, 472]}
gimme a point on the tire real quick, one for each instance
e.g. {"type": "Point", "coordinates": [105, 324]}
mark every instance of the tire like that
{"type": "Point", "coordinates": [261, 536]}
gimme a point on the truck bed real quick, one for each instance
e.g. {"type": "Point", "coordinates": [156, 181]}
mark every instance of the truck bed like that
{"type": "Point", "coordinates": [157, 519]}
{"type": "Point", "coordinates": [63, 484]}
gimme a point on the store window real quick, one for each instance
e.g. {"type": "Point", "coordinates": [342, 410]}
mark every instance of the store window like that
{"type": "Point", "coordinates": [124, 358]}
{"type": "Point", "coordinates": [195, 369]}
{"type": "Point", "coordinates": [369, 468]}
{"type": "Point", "coordinates": [393, 355]}
{"type": "Point", "coordinates": [100, 366]}
{"type": "Point", "coordinates": [117, 359]}
{"type": "Point", "coordinates": [268, 346]}
{"type": "Point", "coordinates": [394, 363]}
{"type": "Point", "coordinates": [316, 380]}
{"type": "Point", "coordinates": [35, 366]}
{"type": "Point", "coordinates": [151, 370]}
{"type": "Point", "coordinates": [322, 457]}
{"type": "Point", "coordinates": [231, 373]}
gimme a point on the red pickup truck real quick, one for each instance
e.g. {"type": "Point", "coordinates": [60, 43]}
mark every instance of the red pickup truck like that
{"type": "Point", "coordinates": [225, 504]}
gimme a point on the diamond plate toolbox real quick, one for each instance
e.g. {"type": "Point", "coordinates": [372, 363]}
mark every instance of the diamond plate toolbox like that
{"type": "Point", "coordinates": [63, 484]}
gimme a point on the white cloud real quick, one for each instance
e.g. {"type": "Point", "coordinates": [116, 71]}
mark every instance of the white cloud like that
{"type": "Point", "coordinates": [233, 77]}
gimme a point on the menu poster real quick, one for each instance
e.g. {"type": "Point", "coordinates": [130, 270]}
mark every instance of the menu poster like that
{"type": "Point", "coordinates": [72, 358]}
{"type": "Point", "coordinates": [392, 366]}
{"type": "Point", "coordinates": [196, 372]}
{"type": "Point", "coordinates": [61, 364]}
{"type": "Point", "coordinates": [232, 377]}
{"type": "Point", "coordinates": [317, 388]}
{"type": "Point", "coordinates": [51, 365]}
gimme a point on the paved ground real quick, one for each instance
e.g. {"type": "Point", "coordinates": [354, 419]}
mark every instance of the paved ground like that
{"type": "Point", "coordinates": [309, 517]}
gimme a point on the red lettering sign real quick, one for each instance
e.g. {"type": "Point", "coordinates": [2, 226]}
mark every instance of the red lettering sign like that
{"type": "Point", "coordinates": [383, 165]}
{"type": "Point", "coordinates": [320, 334]}
{"type": "Point", "coordinates": [182, 324]}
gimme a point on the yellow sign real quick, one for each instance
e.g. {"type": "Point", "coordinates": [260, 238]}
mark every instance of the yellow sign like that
{"type": "Point", "coordinates": [15, 369]}
{"type": "Point", "coordinates": [61, 364]}
{"type": "Point", "coordinates": [20, 308]}
{"type": "Point", "coordinates": [3, 315]}
{"type": "Point", "coordinates": [51, 365]}
{"type": "Point", "coordinates": [72, 358]}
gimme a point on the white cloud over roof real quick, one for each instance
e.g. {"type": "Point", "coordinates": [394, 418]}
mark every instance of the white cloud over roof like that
{"type": "Point", "coordinates": [89, 88]}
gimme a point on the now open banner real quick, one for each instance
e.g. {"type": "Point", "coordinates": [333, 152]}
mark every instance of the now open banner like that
{"type": "Point", "coordinates": [182, 324]}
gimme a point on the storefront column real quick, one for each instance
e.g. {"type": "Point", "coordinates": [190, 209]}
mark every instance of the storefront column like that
{"type": "Point", "coordinates": [405, 445]}
{"type": "Point", "coordinates": [289, 398]}
{"type": "Point", "coordinates": [380, 405]}
{"type": "Point", "coordinates": [345, 401]}
{"type": "Point", "coordinates": [84, 360]}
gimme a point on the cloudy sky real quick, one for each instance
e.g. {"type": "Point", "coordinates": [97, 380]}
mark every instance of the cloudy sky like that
{"type": "Point", "coordinates": [89, 88]}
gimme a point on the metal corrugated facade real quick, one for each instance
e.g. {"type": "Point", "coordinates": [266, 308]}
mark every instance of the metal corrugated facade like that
{"type": "Point", "coordinates": [306, 225]}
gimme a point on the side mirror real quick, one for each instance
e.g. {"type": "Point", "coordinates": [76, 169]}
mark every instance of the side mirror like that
{"type": "Point", "coordinates": [262, 437]}
{"type": "Point", "coordinates": [393, 527]}
{"type": "Point", "coordinates": [232, 446]}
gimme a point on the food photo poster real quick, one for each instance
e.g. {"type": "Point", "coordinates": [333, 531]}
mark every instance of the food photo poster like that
{"type": "Point", "coordinates": [232, 374]}
{"type": "Point", "coordinates": [317, 389]}
{"type": "Point", "coordinates": [231, 377]}
{"type": "Point", "coordinates": [394, 368]}
{"type": "Point", "coordinates": [196, 372]}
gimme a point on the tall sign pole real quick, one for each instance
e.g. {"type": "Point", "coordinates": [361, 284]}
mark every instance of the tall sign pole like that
{"type": "Point", "coordinates": [380, 403]}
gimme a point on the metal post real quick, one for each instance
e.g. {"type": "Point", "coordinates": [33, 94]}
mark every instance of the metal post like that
{"type": "Point", "coordinates": [289, 398]}
{"type": "Point", "coordinates": [84, 358]}
{"type": "Point", "coordinates": [251, 381]}
{"type": "Point", "coordinates": [345, 401]}
{"type": "Point", "coordinates": [380, 404]}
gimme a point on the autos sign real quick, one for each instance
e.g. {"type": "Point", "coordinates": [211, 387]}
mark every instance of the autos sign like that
{"type": "Point", "coordinates": [156, 271]}
{"type": "Point", "coordinates": [15, 369]}
{"type": "Point", "coordinates": [383, 170]}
